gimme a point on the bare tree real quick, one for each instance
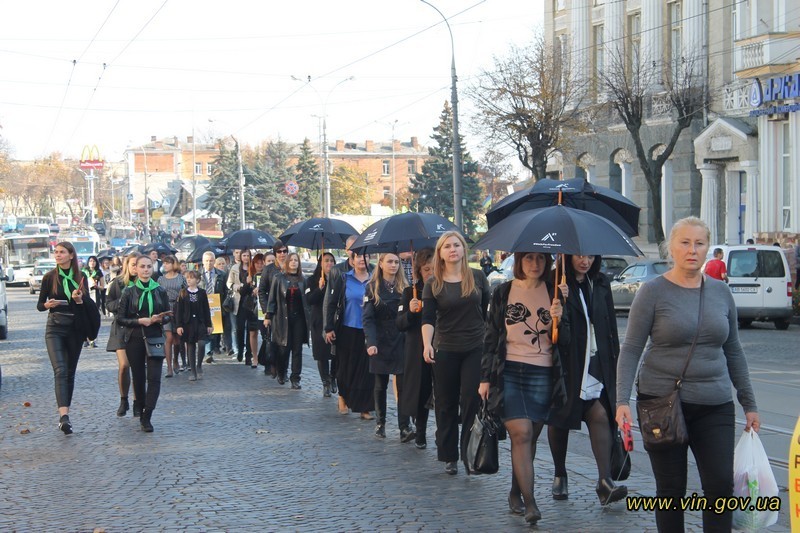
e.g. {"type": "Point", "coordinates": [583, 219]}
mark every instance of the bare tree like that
{"type": "Point", "coordinates": [526, 102]}
{"type": "Point", "coordinates": [637, 88]}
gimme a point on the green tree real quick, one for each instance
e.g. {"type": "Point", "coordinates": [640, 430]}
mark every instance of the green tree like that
{"type": "Point", "coordinates": [307, 177]}
{"type": "Point", "coordinates": [223, 189]}
{"type": "Point", "coordinates": [433, 187]}
{"type": "Point", "coordinates": [270, 208]}
{"type": "Point", "coordinates": [349, 191]}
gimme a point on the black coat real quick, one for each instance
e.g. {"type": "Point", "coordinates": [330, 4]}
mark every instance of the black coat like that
{"type": "Point", "coordinates": [494, 351]}
{"type": "Point", "coordinates": [116, 336]}
{"type": "Point", "coordinates": [195, 326]}
{"type": "Point", "coordinates": [277, 310]}
{"type": "Point", "coordinates": [315, 298]}
{"type": "Point", "coordinates": [129, 313]}
{"type": "Point", "coordinates": [416, 372]}
{"type": "Point", "coordinates": [381, 330]}
{"type": "Point", "coordinates": [604, 320]}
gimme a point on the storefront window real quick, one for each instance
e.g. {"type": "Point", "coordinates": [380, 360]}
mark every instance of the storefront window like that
{"type": "Point", "coordinates": [786, 176]}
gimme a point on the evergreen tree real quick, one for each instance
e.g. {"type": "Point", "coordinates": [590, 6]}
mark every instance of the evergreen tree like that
{"type": "Point", "coordinates": [433, 187]}
{"type": "Point", "coordinates": [270, 208]}
{"type": "Point", "coordinates": [223, 189]}
{"type": "Point", "coordinates": [308, 179]}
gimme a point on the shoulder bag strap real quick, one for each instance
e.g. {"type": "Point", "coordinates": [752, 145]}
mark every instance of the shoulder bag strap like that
{"type": "Point", "coordinates": [696, 334]}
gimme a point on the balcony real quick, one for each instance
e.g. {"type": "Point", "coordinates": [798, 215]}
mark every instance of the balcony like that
{"type": "Point", "coordinates": [767, 54]}
{"type": "Point", "coordinates": [736, 98]}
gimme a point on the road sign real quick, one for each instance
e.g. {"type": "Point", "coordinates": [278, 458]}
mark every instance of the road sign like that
{"type": "Point", "coordinates": [292, 188]}
{"type": "Point", "coordinates": [130, 197]}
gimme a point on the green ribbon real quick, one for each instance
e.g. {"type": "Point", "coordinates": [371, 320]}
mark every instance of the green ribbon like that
{"type": "Point", "coordinates": [66, 279]}
{"type": "Point", "coordinates": [146, 292]}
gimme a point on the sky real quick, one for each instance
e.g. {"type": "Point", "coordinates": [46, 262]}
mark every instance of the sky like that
{"type": "Point", "coordinates": [113, 73]}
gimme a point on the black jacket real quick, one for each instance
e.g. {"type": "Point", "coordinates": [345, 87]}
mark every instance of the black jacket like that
{"type": "Point", "coordinates": [183, 316]}
{"type": "Point", "coordinates": [128, 312]}
{"type": "Point", "coordinates": [381, 330]}
{"type": "Point", "coordinates": [333, 305]}
{"type": "Point", "coordinates": [264, 284]}
{"type": "Point", "coordinates": [494, 352]}
{"type": "Point", "coordinates": [315, 298]}
{"type": "Point", "coordinates": [277, 310]}
{"type": "Point", "coordinates": [605, 327]}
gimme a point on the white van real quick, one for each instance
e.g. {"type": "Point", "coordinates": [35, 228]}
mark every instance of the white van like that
{"type": "Point", "coordinates": [760, 281]}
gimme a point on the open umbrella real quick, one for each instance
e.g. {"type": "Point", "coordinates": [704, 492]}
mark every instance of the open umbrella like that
{"type": "Point", "coordinates": [248, 238]}
{"type": "Point", "coordinates": [319, 233]}
{"type": "Point", "coordinates": [190, 243]}
{"type": "Point", "coordinates": [577, 193]}
{"type": "Point", "coordinates": [197, 254]}
{"type": "Point", "coordinates": [405, 232]}
{"type": "Point", "coordinates": [160, 247]}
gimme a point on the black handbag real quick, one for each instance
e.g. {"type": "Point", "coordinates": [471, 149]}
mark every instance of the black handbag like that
{"type": "Point", "coordinates": [155, 346]}
{"type": "Point", "coordinates": [620, 459]}
{"type": "Point", "coordinates": [61, 319]}
{"type": "Point", "coordinates": [661, 419]}
{"type": "Point", "coordinates": [482, 453]}
{"type": "Point", "coordinates": [228, 303]}
{"type": "Point", "coordinates": [89, 321]}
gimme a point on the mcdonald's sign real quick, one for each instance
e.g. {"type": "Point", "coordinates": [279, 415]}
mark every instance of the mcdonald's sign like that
{"type": "Point", "coordinates": [90, 158]}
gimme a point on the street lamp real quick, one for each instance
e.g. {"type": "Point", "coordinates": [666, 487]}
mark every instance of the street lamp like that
{"type": "Point", "coordinates": [457, 185]}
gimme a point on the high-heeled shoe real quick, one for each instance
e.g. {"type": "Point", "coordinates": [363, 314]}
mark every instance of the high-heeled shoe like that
{"type": "Point", "coordinates": [137, 409]}
{"type": "Point", "coordinates": [532, 513]}
{"type": "Point", "coordinates": [560, 488]}
{"type": "Point", "coordinates": [609, 492]}
{"type": "Point", "coordinates": [123, 407]}
{"type": "Point", "coordinates": [515, 504]}
{"type": "Point", "coordinates": [366, 415]}
{"type": "Point", "coordinates": [342, 406]}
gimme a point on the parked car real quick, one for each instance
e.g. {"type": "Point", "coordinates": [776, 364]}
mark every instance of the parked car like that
{"type": "Point", "coordinates": [611, 265]}
{"type": "Point", "coordinates": [625, 284]}
{"type": "Point", "coordinates": [760, 282]}
{"type": "Point", "coordinates": [21, 276]}
{"type": "Point", "coordinates": [501, 274]}
{"type": "Point", "coordinates": [36, 280]}
{"type": "Point", "coordinates": [3, 306]}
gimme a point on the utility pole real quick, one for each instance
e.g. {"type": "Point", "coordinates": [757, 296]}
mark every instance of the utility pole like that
{"type": "Point", "coordinates": [394, 183]}
{"type": "Point", "coordinates": [326, 179]}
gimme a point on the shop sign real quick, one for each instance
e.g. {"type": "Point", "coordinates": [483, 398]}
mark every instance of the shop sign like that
{"type": "Point", "coordinates": [773, 90]}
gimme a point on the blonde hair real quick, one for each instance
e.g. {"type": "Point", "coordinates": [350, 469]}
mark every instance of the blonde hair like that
{"type": "Point", "coordinates": [467, 279]}
{"type": "Point", "coordinates": [686, 221]}
{"type": "Point", "coordinates": [126, 272]}
{"type": "Point", "coordinates": [377, 276]}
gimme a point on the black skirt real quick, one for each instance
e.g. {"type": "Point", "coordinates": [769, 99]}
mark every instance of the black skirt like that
{"type": "Point", "coordinates": [355, 382]}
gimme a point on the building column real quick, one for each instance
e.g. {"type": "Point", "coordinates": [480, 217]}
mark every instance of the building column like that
{"type": "Point", "coordinates": [667, 200]}
{"type": "Point", "coordinates": [694, 29]}
{"type": "Point", "coordinates": [652, 31]}
{"type": "Point", "coordinates": [613, 22]}
{"type": "Point", "coordinates": [626, 175]}
{"type": "Point", "coordinates": [750, 168]}
{"type": "Point", "coordinates": [709, 198]}
{"type": "Point", "coordinates": [768, 175]}
{"type": "Point", "coordinates": [581, 12]}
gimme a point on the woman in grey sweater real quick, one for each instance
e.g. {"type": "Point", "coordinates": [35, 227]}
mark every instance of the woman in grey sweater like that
{"type": "Point", "coordinates": [665, 311]}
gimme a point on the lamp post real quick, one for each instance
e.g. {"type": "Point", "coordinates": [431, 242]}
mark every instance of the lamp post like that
{"type": "Point", "coordinates": [457, 182]}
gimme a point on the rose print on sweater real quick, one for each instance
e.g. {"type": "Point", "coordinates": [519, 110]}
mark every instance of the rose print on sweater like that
{"type": "Point", "coordinates": [519, 314]}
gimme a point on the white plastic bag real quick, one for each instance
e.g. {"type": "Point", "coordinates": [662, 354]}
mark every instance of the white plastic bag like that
{"type": "Point", "coordinates": [752, 478]}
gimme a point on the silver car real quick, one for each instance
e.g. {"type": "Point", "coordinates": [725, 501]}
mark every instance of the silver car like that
{"type": "Point", "coordinates": [627, 282]}
{"type": "Point", "coordinates": [501, 274]}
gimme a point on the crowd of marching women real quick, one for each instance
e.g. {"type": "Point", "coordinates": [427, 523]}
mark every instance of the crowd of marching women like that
{"type": "Point", "coordinates": [431, 321]}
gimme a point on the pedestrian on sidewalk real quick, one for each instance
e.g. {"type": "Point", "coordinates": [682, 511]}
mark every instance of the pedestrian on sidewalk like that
{"type": "Point", "coordinates": [590, 363]}
{"type": "Point", "coordinates": [453, 314]}
{"type": "Point", "coordinates": [243, 310]}
{"type": "Point", "coordinates": [269, 271]}
{"type": "Point", "coordinates": [417, 375]}
{"type": "Point", "coordinates": [385, 346]}
{"type": "Point", "coordinates": [316, 287]}
{"type": "Point", "coordinates": [212, 280]}
{"type": "Point", "coordinates": [521, 374]}
{"type": "Point", "coordinates": [255, 325]}
{"type": "Point", "coordinates": [94, 277]}
{"type": "Point", "coordinates": [193, 322]}
{"type": "Point", "coordinates": [116, 336]}
{"type": "Point", "coordinates": [288, 315]}
{"type": "Point", "coordinates": [62, 295]}
{"type": "Point", "coordinates": [173, 282]}
{"type": "Point", "coordinates": [143, 308]}
{"type": "Point", "coordinates": [665, 311]}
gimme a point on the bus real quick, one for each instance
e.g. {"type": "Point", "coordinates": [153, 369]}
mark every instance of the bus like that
{"type": "Point", "coordinates": [121, 235]}
{"type": "Point", "coordinates": [86, 243]}
{"type": "Point", "coordinates": [19, 252]}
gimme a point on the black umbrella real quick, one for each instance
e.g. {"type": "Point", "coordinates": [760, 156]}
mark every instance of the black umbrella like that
{"type": "Point", "coordinates": [197, 254]}
{"type": "Point", "coordinates": [160, 247]}
{"type": "Point", "coordinates": [190, 243]}
{"type": "Point", "coordinates": [108, 253]}
{"type": "Point", "coordinates": [248, 238]}
{"type": "Point", "coordinates": [132, 248]}
{"type": "Point", "coordinates": [558, 230]}
{"type": "Point", "coordinates": [405, 232]}
{"type": "Point", "coordinates": [319, 233]}
{"type": "Point", "coordinates": [577, 193]}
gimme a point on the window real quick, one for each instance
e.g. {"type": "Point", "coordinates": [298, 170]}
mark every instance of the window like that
{"type": "Point", "coordinates": [386, 165]}
{"type": "Point", "coordinates": [756, 264]}
{"type": "Point", "coordinates": [676, 55]}
{"type": "Point", "coordinates": [635, 39]}
{"type": "Point", "coordinates": [387, 191]}
{"type": "Point", "coordinates": [560, 5]}
{"type": "Point", "coordinates": [412, 167]}
{"type": "Point", "coordinates": [786, 175]}
{"type": "Point", "coordinates": [198, 168]}
{"type": "Point", "coordinates": [598, 59]}
{"type": "Point", "coordinates": [209, 168]}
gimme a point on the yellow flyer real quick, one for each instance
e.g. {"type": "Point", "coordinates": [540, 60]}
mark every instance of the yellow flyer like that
{"type": "Point", "coordinates": [216, 313]}
{"type": "Point", "coordinates": [794, 479]}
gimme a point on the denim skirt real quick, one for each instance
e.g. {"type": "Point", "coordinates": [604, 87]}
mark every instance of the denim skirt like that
{"type": "Point", "coordinates": [527, 391]}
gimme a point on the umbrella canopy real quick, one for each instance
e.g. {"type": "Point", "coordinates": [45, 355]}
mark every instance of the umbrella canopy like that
{"type": "Point", "coordinates": [248, 238]}
{"type": "Point", "coordinates": [160, 247]}
{"type": "Point", "coordinates": [403, 233]}
{"type": "Point", "coordinates": [108, 253]}
{"type": "Point", "coordinates": [317, 233]}
{"type": "Point", "coordinates": [197, 254]}
{"type": "Point", "coordinates": [190, 243]}
{"type": "Point", "coordinates": [558, 230]}
{"type": "Point", "coordinates": [132, 248]}
{"type": "Point", "coordinates": [577, 193]}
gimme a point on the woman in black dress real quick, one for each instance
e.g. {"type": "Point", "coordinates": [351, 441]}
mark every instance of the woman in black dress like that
{"type": "Point", "coordinates": [315, 288]}
{"type": "Point", "coordinates": [143, 308]}
{"type": "Point", "coordinates": [116, 337]}
{"type": "Point", "coordinates": [62, 294]}
{"type": "Point", "coordinates": [193, 322]}
{"type": "Point", "coordinates": [417, 376]}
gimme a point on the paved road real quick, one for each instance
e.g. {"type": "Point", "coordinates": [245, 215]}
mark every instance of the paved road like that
{"type": "Point", "coordinates": [238, 452]}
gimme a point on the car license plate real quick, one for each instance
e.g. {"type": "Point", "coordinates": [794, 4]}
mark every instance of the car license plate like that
{"type": "Point", "coordinates": [749, 290]}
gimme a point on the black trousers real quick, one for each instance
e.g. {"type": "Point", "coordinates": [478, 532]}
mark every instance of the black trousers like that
{"type": "Point", "coordinates": [381, 385]}
{"type": "Point", "coordinates": [711, 438]}
{"type": "Point", "coordinates": [456, 379]}
{"type": "Point", "coordinates": [64, 350]}
{"type": "Point", "coordinates": [245, 323]}
{"type": "Point", "coordinates": [294, 346]}
{"type": "Point", "coordinates": [146, 372]}
{"type": "Point", "coordinates": [327, 369]}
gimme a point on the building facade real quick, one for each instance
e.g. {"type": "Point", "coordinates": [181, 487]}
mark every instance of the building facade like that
{"type": "Point", "coordinates": [736, 166]}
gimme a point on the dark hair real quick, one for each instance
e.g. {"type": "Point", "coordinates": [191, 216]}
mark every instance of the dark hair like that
{"type": "Point", "coordinates": [318, 271]}
{"type": "Point", "coordinates": [718, 251]}
{"type": "Point", "coordinates": [299, 271]}
{"type": "Point", "coordinates": [192, 274]}
{"type": "Point", "coordinates": [520, 274]}
{"type": "Point", "coordinates": [421, 258]}
{"type": "Point", "coordinates": [77, 275]}
{"type": "Point", "coordinates": [96, 262]}
{"type": "Point", "coordinates": [251, 268]}
{"type": "Point", "coordinates": [594, 270]}
{"type": "Point", "coordinates": [278, 245]}
{"type": "Point", "coordinates": [171, 259]}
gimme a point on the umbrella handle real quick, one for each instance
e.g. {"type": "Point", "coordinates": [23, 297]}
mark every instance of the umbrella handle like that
{"type": "Point", "coordinates": [563, 274]}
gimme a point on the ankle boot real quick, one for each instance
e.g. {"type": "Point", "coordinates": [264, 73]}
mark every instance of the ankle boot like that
{"type": "Point", "coordinates": [609, 492]}
{"type": "Point", "coordinates": [334, 387]}
{"type": "Point", "coordinates": [123, 406]}
{"type": "Point", "coordinates": [326, 390]}
{"type": "Point", "coordinates": [147, 427]}
{"type": "Point", "coordinates": [137, 408]}
{"type": "Point", "coordinates": [560, 488]}
{"type": "Point", "coordinates": [380, 407]}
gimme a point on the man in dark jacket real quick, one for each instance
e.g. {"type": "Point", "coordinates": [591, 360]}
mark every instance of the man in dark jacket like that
{"type": "Point", "coordinates": [212, 280]}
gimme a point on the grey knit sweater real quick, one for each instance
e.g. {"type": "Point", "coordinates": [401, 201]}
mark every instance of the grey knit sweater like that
{"type": "Point", "coordinates": [667, 314]}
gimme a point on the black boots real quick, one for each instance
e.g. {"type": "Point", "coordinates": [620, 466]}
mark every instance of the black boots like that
{"type": "Point", "coordinates": [407, 434]}
{"type": "Point", "coordinates": [609, 492]}
{"type": "Point", "coordinates": [560, 489]}
{"type": "Point", "coordinates": [137, 408]}
{"type": "Point", "coordinates": [334, 387]}
{"type": "Point", "coordinates": [326, 390]}
{"type": "Point", "coordinates": [64, 425]}
{"type": "Point", "coordinates": [147, 427]}
{"type": "Point", "coordinates": [295, 384]}
{"type": "Point", "coordinates": [123, 406]}
{"type": "Point", "coordinates": [380, 431]}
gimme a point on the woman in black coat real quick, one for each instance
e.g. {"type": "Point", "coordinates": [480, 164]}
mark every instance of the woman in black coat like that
{"type": "Point", "coordinates": [384, 341]}
{"type": "Point", "coordinates": [591, 375]}
{"type": "Point", "coordinates": [417, 376]}
{"type": "Point", "coordinates": [315, 296]}
{"type": "Point", "coordinates": [143, 308]}
{"type": "Point", "coordinates": [116, 337]}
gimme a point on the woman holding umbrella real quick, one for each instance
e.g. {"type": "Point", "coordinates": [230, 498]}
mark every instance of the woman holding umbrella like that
{"type": "Point", "coordinates": [454, 308]}
{"type": "Point", "coordinates": [316, 287]}
{"type": "Point", "coordinates": [590, 364]}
